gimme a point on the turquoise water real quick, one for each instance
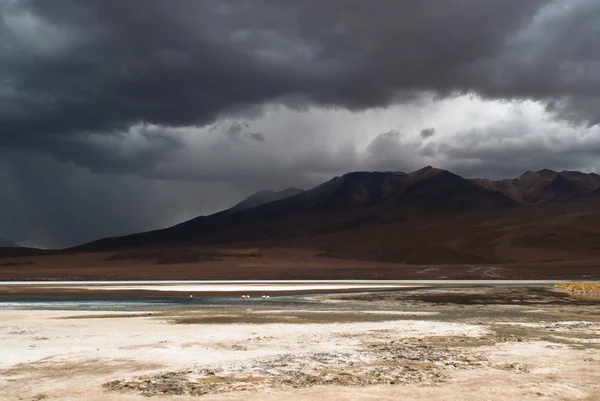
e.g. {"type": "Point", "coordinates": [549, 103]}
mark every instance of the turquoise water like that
{"type": "Point", "coordinates": [110, 303]}
{"type": "Point", "coordinates": [178, 295]}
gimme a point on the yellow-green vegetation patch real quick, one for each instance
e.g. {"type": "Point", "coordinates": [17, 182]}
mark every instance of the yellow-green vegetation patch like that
{"type": "Point", "coordinates": [580, 287]}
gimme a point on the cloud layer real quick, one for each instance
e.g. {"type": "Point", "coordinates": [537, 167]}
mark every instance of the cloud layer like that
{"type": "Point", "coordinates": [149, 98]}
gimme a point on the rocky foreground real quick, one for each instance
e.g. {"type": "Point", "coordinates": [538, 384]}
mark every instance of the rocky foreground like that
{"type": "Point", "coordinates": [379, 361]}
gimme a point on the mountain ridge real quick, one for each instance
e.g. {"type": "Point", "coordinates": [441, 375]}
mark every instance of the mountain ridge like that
{"type": "Point", "coordinates": [355, 198]}
{"type": "Point", "coordinates": [418, 221]}
{"type": "Point", "coordinates": [262, 197]}
{"type": "Point", "coordinates": [360, 198]}
{"type": "Point", "coordinates": [545, 185]}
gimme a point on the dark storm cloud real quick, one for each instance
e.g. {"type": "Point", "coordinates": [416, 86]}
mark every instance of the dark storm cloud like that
{"type": "Point", "coordinates": [53, 204]}
{"type": "Point", "coordinates": [95, 94]}
{"type": "Point", "coordinates": [237, 130]}
{"type": "Point", "coordinates": [257, 136]}
{"type": "Point", "coordinates": [427, 133]}
{"type": "Point", "coordinates": [102, 66]}
{"type": "Point", "coordinates": [137, 150]}
{"type": "Point", "coordinates": [510, 148]}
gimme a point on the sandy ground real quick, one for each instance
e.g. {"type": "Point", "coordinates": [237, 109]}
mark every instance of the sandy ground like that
{"type": "Point", "coordinates": [448, 344]}
{"type": "Point", "coordinates": [276, 263]}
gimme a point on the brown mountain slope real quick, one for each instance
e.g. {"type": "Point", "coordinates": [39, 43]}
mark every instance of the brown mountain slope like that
{"type": "Point", "coordinates": [440, 189]}
{"type": "Point", "coordinates": [535, 233]}
{"type": "Point", "coordinates": [544, 186]}
{"type": "Point", "coordinates": [588, 182]}
{"type": "Point", "coordinates": [355, 199]}
{"type": "Point", "coordinates": [426, 224]}
{"type": "Point", "coordinates": [430, 216]}
{"type": "Point", "coordinates": [262, 197]}
{"type": "Point", "coordinates": [555, 240]}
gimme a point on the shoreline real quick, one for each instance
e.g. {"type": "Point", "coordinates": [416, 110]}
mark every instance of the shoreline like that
{"type": "Point", "coordinates": [188, 291]}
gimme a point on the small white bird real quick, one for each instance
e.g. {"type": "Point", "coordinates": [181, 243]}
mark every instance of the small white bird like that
{"type": "Point", "coordinates": [191, 296]}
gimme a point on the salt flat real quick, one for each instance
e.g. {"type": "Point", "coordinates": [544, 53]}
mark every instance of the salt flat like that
{"type": "Point", "coordinates": [524, 343]}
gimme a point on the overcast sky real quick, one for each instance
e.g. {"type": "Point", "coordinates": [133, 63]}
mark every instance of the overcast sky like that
{"type": "Point", "coordinates": [124, 115]}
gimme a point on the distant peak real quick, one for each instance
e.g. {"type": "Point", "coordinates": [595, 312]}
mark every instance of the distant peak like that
{"type": "Point", "coordinates": [423, 170]}
{"type": "Point", "coordinates": [530, 173]}
{"type": "Point", "coordinates": [426, 172]}
{"type": "Point", "coordinates": [362, 174]}
{"type": "Point", "coordinates": [288, 190]}
{"type": "Point", "coordinates": [357, 173]}
{"type": "Point", "coordinates": [291, 191]}
{"type": "Point", "coordinates": [264, 196]}
{"type": "Point", "coordinates": [263, 192]}
{"type": "Point", "coordinates": [575, 172]}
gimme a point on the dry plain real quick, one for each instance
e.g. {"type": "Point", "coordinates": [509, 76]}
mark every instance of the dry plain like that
{"type": "Point", "coordinates": [492, 342]}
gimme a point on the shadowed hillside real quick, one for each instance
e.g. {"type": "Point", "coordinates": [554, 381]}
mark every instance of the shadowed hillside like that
{"type": "Point", "coordinates": [430, 223]}
{"type": "Point", "coordinates": [371, 201]}
{"type": "Point", "coordinates": [354, 199]}
{"type": "Point", "coordinates": [262, 197]}
{"type": "Point", "coordinates": [545, 186]}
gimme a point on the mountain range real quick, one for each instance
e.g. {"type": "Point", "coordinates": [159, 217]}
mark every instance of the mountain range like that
{"type": "Point", "coordinates": [361, 199]}
{"type": "Point", "coordinates": [353, 199]}
{"type": "Point", "coordinates": [543, 222]}
{"type": "Point", "coordinates": [545, 186]}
